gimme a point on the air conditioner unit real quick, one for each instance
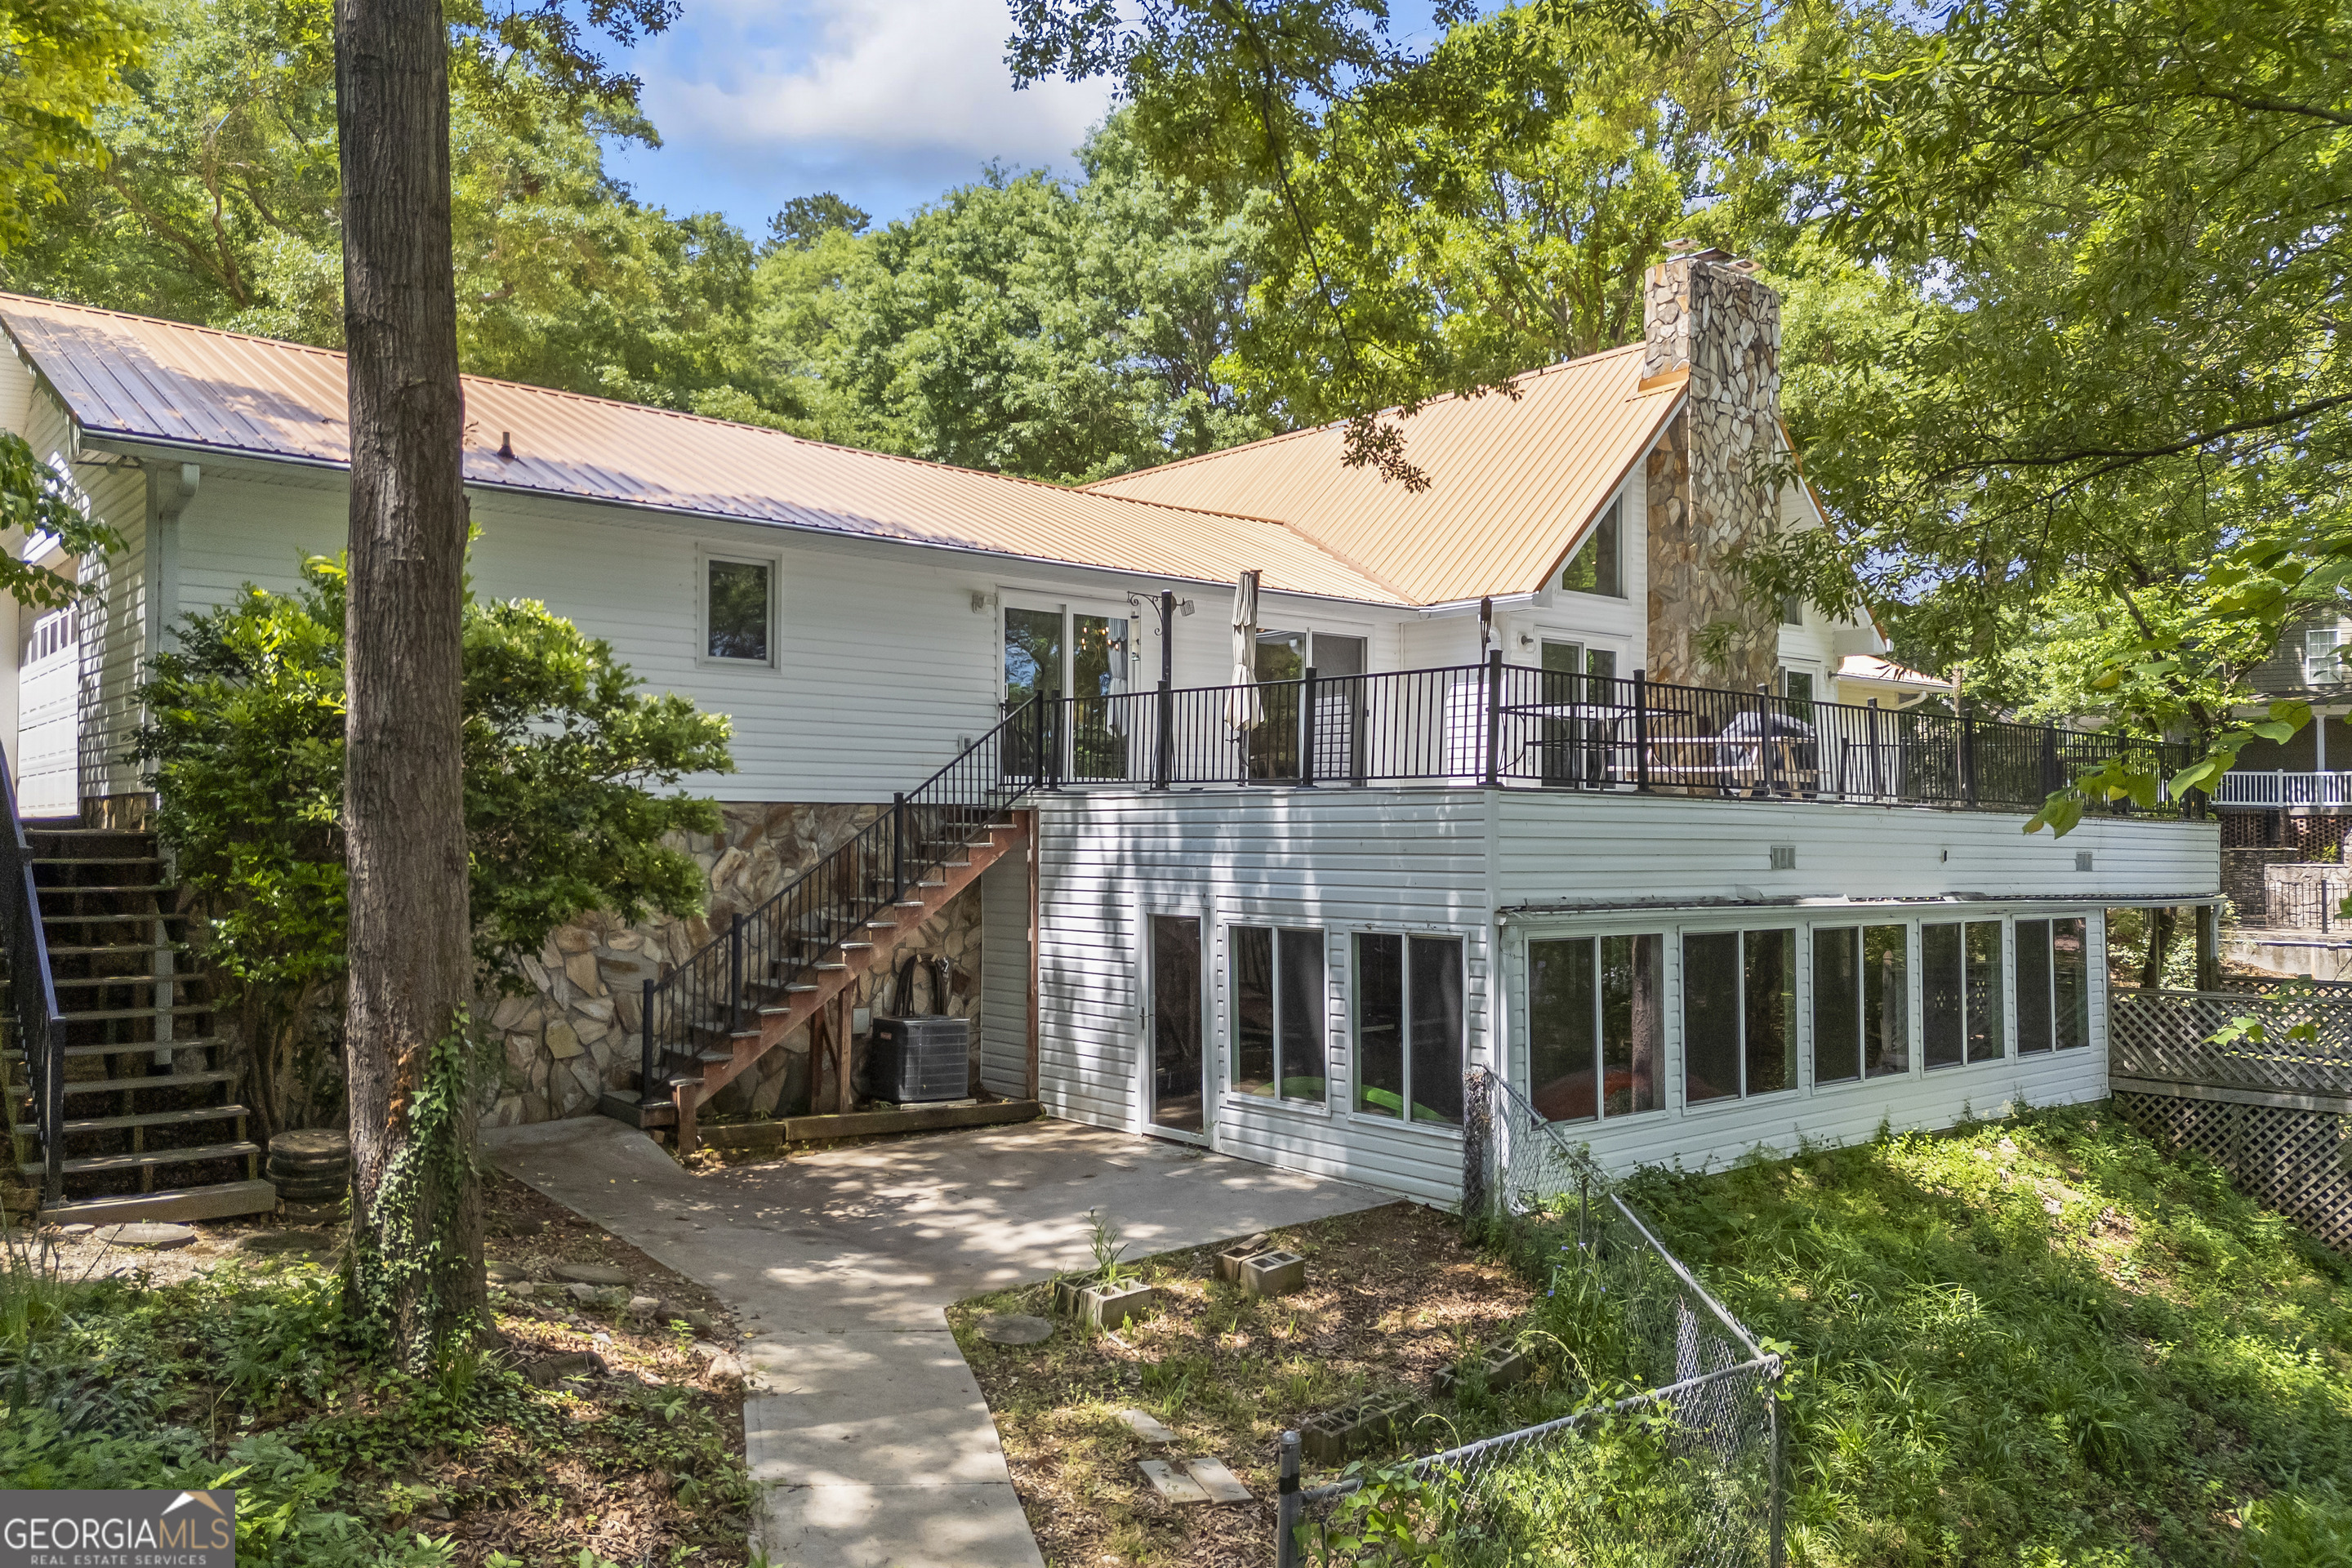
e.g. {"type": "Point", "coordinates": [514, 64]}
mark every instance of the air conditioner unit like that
{"type": "Point", "coordinates": [912, 1061]}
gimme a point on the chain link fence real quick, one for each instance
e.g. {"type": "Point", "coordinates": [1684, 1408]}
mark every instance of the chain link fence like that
{"type": "Point", "coordinates": [1683, 1470]}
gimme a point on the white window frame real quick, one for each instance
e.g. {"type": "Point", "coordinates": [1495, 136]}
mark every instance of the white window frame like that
{"type": "Point", "coordinates": [1801, 1032]}
{"type": "Point", "coordinates": [707, 555]}
{"type": "Point", "coordinates": [1462, 939]}
{"type": "Point", "coordinates": [1229, 999]}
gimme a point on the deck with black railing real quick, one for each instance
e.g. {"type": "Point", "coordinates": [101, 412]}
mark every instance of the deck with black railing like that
{"type": "Point", "coordinates": [1511, 726]}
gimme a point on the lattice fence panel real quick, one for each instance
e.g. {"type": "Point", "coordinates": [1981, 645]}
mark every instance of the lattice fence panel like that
{"type": "Point", "coordinates": [2296, 1162]}
{"type": "Point", "coordinates": [2169, 1035]}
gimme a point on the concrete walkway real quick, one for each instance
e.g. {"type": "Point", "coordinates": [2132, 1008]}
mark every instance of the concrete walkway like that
{"type": "Point", "coordinates": [866, 1434]}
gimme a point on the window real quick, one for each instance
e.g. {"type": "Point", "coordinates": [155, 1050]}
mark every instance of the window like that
{"type": "Point", "coordinates": [1593, 568]}
{"type": "Point", "coordinates": [1792, 610]}
{"type": "Point", "coordinates": [1277, 1043]}
{"type": "Point", "coordinates": [740, 609]}
{"type": "Point", "coordinates": [1960, 992]}
{"type": "Point", "coordinates": [1861, 1003]}
{"type": "Point", "coordinates": [2322, 655]}
{"type": "Point", "coordinates": [1797, 691]}
{"type": "Point", "coordinates": [1739, 994]}
{"type": "Point", "coordinates": [1409, 1034]}
{"type": "Point", "coordinates": [1594, 1031]}
{"type": "Point", "coordinates": [2054, 997]}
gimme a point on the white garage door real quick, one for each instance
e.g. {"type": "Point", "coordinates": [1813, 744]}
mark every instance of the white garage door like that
{"type": "Point", "coordinates": [48, 729]}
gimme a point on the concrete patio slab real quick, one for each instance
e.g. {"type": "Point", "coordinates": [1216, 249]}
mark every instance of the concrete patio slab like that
{"type": "Point", "coordinates": [865, 1430]}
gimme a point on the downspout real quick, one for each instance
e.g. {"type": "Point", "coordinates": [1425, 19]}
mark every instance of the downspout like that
{"type": "Point", "coordinates": [169, 494]}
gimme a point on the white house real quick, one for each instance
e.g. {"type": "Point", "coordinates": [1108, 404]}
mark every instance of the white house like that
{"type": "Point", "coordinates": [1526, 778]}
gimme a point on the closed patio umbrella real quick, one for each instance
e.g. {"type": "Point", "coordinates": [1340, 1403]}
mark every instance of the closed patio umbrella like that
{"type": "Point", "coordinates": [1243, 708]}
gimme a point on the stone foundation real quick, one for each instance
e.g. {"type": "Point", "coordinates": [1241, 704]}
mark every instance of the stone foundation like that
{"type": "Point", "coordinates": [575, 1034]}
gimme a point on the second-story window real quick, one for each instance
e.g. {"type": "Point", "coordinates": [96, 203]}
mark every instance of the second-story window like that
{"type": "Point", "coordinates": [1593, 568]}
{"type": "Point", "coordinates": [739, 609]}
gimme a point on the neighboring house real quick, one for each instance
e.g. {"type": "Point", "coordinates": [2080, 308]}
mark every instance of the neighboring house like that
{"type": "Point", "coordinates": [2292, 801]}
{"type": "Point", "coordinates": [1526, 781]}
{"type": "Point", "coordinates": [1874, 680]}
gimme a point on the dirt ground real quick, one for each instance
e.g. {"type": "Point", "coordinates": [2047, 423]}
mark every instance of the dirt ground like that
{"type": "Point", "coordinates": [1392, 1295]}
{"type": "Point", "coordinates": [515, 1493]}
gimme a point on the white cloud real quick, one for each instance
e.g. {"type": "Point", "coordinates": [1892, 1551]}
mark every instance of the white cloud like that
{"type": "Point", "coordinates": [895, 89]}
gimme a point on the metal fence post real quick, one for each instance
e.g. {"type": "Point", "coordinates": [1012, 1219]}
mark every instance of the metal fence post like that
{"type": "Point", "coordinates": [648, 1057]}
{"type": "Point", "coordinates": [53, 1096]}
{"type": "Point", "coordinates": [1766, 774]}
{"type": "Point", "coordinates": [1287, 1552]}
{"type": "Point", "coordinates": [1968, 756]}
{"type": "Point", "coordinates": [1166, 738]}
{"type": "Point", "coordinates": [1306, 729]}
{"type": "Point", "coordinates": [897, 847]}
{"type": "Point", "coordinates": [1641, 730]}
{"type": "Point", "coordinates": [1777, 1546]}
{"type": "Point", "coordinates": [1493, 717]}
{"type": "Point", "coordinates": [734, 972]}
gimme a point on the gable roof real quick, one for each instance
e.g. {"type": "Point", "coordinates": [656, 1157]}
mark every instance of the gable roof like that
{"type": "Point", "coordinates": [1514, 483]}
{"type": "Point", "coordinates": [140, 379]}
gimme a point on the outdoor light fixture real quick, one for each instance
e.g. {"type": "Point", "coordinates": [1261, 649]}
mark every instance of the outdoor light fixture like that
{"type": "Point", "coordinates": [979, 602]}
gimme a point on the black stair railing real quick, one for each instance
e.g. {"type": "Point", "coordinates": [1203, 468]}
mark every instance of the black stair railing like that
{"type": "Point", "coordinates": [767, 954]}
{"type": "Point", "coordinates": [33, 992]}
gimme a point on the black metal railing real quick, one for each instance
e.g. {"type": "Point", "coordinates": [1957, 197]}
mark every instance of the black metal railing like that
{"type": "Point", "coordinates": [32, 992]}
{"type": "Point", "coordinates": [766, 955]}
{"type": "Point", "coordinates": [1512, 725]}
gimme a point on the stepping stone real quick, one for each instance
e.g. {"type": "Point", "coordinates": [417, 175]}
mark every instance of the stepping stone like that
{"type": "Point", "coordinates": [644, 1306]}
{"type": "Point", "coordinates": [75, 1232]}
{"type": "Point", "coordinates": [591, 1273]}
{"type": "Point", "coordinates": [506, 1273]}
{"type": "Point", "coordinates": [1148, 1426]}
{"type": "Point", "coordinates": [1177, 1486]}
{"type": "Point", "coordinates": [284, 1241]}
{"type": "Point", "coordinates": [1219, 1482]}
{"type": "Point", "coordinates": [155, 1237]}
{"type": "Point", "coordinates": [1016, 1328]}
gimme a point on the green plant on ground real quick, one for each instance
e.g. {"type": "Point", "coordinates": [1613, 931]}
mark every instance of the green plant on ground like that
{"type": "Point", "coordinates": [1103, 1238]}
{"type": "Point", "coordinates": [2043, 1338]}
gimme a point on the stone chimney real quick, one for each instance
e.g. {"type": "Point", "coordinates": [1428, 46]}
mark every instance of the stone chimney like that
{"type": "Point", "coordinates": [1706, 316]}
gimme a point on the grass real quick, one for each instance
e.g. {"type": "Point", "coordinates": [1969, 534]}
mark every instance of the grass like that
{"type": "Point", "coordinates": [2041, 1340]}
{"type": "Point", "coordinates": [250, 1374]}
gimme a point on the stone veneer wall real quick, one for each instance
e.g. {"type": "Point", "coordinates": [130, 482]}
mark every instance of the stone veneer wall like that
{"type": "Point", "coordinates": [577, 1033]}
{"type": "Point", "coordinates": [1709, 315]}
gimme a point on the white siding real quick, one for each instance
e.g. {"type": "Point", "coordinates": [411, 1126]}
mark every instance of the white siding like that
{"type": "Point", "coordinates": [884, 667]}
{"type": "Point", "coordinates": [1619, 848]}
{"type": "Point", "coordinates": [1344, 861]}
{"type": "Point", "coordinates": [1443, 860]}
{"type": "Point", "coordinates": [113, 633]}
{"type": "Point", "coordinates": [1004, 978]}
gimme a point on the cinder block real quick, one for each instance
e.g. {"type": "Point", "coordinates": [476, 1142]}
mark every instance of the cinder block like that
{"type": "Point", "coordinates": [1335, 1437]}
{"type": "Point", "coordinates": [1273, 1274]}
{"type": "Point", "coordinates": [1230, 1260]}
{"type": "Point", "coordinates": [1503, 1366]}
{"type": "Point", "coordinates": [1114, 1307]}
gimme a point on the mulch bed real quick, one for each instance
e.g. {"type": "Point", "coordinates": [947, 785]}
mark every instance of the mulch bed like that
{"type": "Point", "coordinates": [1392, 1296]}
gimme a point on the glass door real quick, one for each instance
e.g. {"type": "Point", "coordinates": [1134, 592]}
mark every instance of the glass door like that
{"type": "Point", "coordinates": [1580, 717]}
{"type": "Point", "coordinates": [1179, 1098]}
{"type": "Point", "coordinates": [1053, 652]}
{"type": "Point", "coordinates": [1283, 659]}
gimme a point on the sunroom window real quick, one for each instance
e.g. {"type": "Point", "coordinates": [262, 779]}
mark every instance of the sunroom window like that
{"type": "Point", "coordinates": [1595, 1025]}
{"type": "Point", "coordinates": [1277, 1046]}
{"type": "Point", "coordinates": [1409, 1027]}
{"type": "Point", "coordinates": [2054, 990]}
{"type": "Point", "coordinates": [1861, 1003]}
{"type": "Point", "coordinates": [1961, 999]}
{"type": "Point", "coordinates": [1739, 1003]}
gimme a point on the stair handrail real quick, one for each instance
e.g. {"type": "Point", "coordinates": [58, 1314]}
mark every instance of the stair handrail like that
{"type": "Point", "coordinates": [33, 991]}
{"type": "Point", "coordinates": [827, 905]}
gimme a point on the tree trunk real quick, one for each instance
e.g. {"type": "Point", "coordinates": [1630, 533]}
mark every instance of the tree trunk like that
{"type": "Point", "coordinates": [2159, 943]}
{"type": "Point", "coordinates": [417, 1216]}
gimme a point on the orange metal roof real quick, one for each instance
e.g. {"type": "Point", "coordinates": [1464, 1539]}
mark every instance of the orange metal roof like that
{"type": "Point", "coordinates": [1513, 483]}
{"type": "Point", "coordinates": [138, 378]}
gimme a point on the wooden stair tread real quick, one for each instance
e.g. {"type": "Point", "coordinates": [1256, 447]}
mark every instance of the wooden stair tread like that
{"type": "Point", "coordinates": [105, 888]}
{"type": "Point", "coordinates": [149, 1157]}
{"type": "Point", "coordinates": [63, 982]}
{"type": "Point", "coordinates": [157, 1118]}
{"type": "Point", "coordinates": [105, 915]}
{"type": "Point", "coordinates": [111, 1014]}
{"type": "Point", "coordinates": [128, 1085]}
{"type": "Point", "coordinates": [125, 1047]}
{"type": "Point", "coordinates": [143, 948]}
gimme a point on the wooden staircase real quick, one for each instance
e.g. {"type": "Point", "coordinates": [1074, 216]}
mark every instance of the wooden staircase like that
{"type": "Point", "coordinates": [152, 1129]}
{"type": "Point", "coordinates": [816, 972]}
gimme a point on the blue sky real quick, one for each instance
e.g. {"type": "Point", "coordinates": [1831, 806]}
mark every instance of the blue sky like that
{"type": "Point", "coordinates": [887, 101]}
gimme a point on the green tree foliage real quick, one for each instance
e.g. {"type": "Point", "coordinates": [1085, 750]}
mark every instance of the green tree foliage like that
{"type": "Point", "coordinates": [221, 196]}
{"type": "Point", "coordinates": [805, 219]}
{"type": "Point", "coordinates": [1023, 325]}
{"type": "Point", "coordinates": [567, 767]}
{"type": "Point", "coordinates": [61, 62]}
{"type": "Point", "coordinates": [2104, 362]}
